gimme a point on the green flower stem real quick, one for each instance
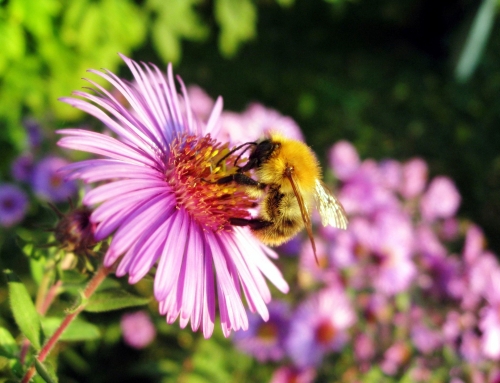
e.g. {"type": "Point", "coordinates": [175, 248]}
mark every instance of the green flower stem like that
{"type": "Point", "coordinates": [92, 286]}
{"type": "Point", "coordinates": [44, 299]}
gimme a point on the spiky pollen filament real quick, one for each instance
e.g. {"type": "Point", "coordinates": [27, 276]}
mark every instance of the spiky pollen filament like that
{"type": "Point", "coordinates": [193, 171]}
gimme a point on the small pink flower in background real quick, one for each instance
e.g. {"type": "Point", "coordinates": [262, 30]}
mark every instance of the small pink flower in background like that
{"type": "Point", "coordinates": [256, 122]}
{"type": "Point", "coordinates": [22, 168]}
{"type": "Point", "coordinates": [414, 178]}
{"type": "Point", "coordinates": [364, 193]}
{"type": "Point", "coordinates": [343, 159]}
{"type": "Point", "coordinates": [264, 340]}
{"type": "Point", "coordinates": [342, 252]}
{"type": "Point", "coordinates": [319, 326]}
{"type": "Point", "coordinates": [393, 245]}
{"type": "Point", "coordinates": [13, 205]}
{"type": "Point", "coordinates": [291, 374]}
{"type": "Point", "coordinates": [441, 200]}
{"type": "Point", "coordinates": [160, 208]}
{"type": "Point", "coordinates": [391, 173]}
{"type": "Point", "coordinates": [427, 243]}
{"type": "Point", "coordinates": [364, 347]}
{"type": "Point", "coordinates": [470, 347]}
{"type": "Point", "coordinates": [490, 325]}
{"type": "Point", "coordinates": [201, 103]}
{"type": "Point", "coordinates": [48, 182]}
{"type": "Point", "coordinates": [489, 322]}
{"type": "Point", "coordinates": [138, 330]}
{"type": "Point", "coordinates": [314, 270]}
{"type": "Point", "coordinates": [450, 229]}
{"type": "Point", "coordinates": [425, 339]}
{"type": "Point", "coordinates": [395, 357]}
{"type": "Point", "coordinates": [474, 244]}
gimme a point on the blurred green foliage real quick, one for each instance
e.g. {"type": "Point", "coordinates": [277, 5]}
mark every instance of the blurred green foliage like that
{"type": "Point", "coordinates": [48, 45]}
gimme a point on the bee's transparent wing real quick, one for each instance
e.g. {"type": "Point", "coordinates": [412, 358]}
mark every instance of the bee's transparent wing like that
{"type": "Point", "coordinates": [331, 211]}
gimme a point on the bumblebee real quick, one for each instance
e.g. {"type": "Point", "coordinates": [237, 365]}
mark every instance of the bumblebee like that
{"type": "Point", "coordinates": [288, 180]}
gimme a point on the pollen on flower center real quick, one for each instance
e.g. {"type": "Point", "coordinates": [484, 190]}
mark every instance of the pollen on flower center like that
{"type": "Point", "coordinates": [193, 170]}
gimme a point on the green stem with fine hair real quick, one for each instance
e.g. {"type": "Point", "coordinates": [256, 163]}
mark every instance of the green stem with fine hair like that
{"type": "Point", "coordinates": [92, 286]}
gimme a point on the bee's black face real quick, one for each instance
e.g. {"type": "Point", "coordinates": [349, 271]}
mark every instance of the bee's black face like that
{"type": "Point", "coordinates": [263, 151]}
{"type": "Point", "coordinates": [260, 155]}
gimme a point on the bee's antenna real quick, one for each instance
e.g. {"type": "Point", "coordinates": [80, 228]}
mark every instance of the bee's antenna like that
{"type": "Point", "coordinates": [247, 144]}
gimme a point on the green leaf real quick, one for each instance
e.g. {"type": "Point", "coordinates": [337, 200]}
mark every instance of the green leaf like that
{"type": "Point", "coordinates": [476, 41]}
{"type": "Point", "coordinates": [175, 20]}
{"type": "Point", "coordinates": [37, 267]}
{"type": "Point", "coordinates": [78, 330]}
{"type": "Point", "coordinates": [44, 373]}
{"type": "Point", "coordinates": [113, 299]}
{"type": "Point", "coordinates": [24, 310]}
{"type": "Point", "coordinates": [8, 345]}
{"type": "Point", "coordinates": [237, 20]}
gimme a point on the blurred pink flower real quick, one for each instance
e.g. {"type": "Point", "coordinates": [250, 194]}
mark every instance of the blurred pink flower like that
{"type": "Point", "coordinates": [394, 357]}
{"type": "Point", "coordinates": [48, 182]}
{"type": "Point", "coordinates": [201, 103]}
{"type": "Point", "coordinates": [364, 193]}
{"type": "Point", "coordinates": [13, 205]}
{"type": "Point", "coordinates": [474, 244]}
{"type": "Point", "coordinates": [393, 246]}
{"type": "Point", "coordinates": [137, 328]}
{"type": "Point", "coordinates": [343, 159]}
{"type": "Point", "coordinates": [391, 172]}
{"type": "Point", "coordinates": [22, 167]}
{"type": "Point", "coordinates": [364, 347]}
{"type": "Point", "coordinates": [264, 340]}
{"type": "Point", "coordinates": [441, 200]}
{"type": "Point", "coordinates": [414, 178]}
{"type": "Point", "coordinates": [256, 122]}
{"type": "Point", "coordinates": [290, 374]}
{"type": "Point", "coordinates": [425, 339]}
{"type": "Point", "coordinates": [318, 326]}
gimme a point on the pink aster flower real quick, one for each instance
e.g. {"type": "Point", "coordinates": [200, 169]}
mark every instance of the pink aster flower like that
{"type": "Point", "coordinates": [414, 178]}
{"type": "Point", "coordinates": [343, 159]}
{"type": "Point", "coordinates": [255, 122]}
{"type": "Point", "coordinates": [48, 183]}
{"type": "Point", "coordinates": [162, 204]}
{"type": "Point", "coordinates": [13, 205]}
{"type": "Point", "coordinates": [22, 167]}
{"type": "Point", "coordinates": [290, 374]}
{"type": "Point", "coordinates": [441, 200]}
{"type": "Point", "coordinates": [319, 326]}
{"type": "Point", "coordinates": [264, 340]}
{"type": "Point", "coordinates": [138, 330]}
{"type": "Point", "coordinates": [201, 103]}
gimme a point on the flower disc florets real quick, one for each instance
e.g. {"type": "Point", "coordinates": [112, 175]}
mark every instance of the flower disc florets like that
{"type": "Point", "coordinates": [193, 170]}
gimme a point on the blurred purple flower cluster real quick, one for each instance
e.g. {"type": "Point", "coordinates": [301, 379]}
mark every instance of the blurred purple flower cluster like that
{"type": "Point", "coordinates": [39, 172]}
{"type": "Point", "coordinates": [409, 290]}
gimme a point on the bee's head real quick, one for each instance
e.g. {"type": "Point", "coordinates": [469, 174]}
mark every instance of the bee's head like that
{"type": "Point", "coordinates": [261, 154]}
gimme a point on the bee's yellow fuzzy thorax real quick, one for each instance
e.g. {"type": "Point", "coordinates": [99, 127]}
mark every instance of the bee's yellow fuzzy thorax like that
{"type": "Point", "coordinates": [294, 154]}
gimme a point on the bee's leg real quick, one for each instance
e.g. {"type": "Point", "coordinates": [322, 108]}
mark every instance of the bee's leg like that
{"type": "Point", "coordinates": [241, 179]}
{"type": "Point", "coordinates": [254, 224]}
